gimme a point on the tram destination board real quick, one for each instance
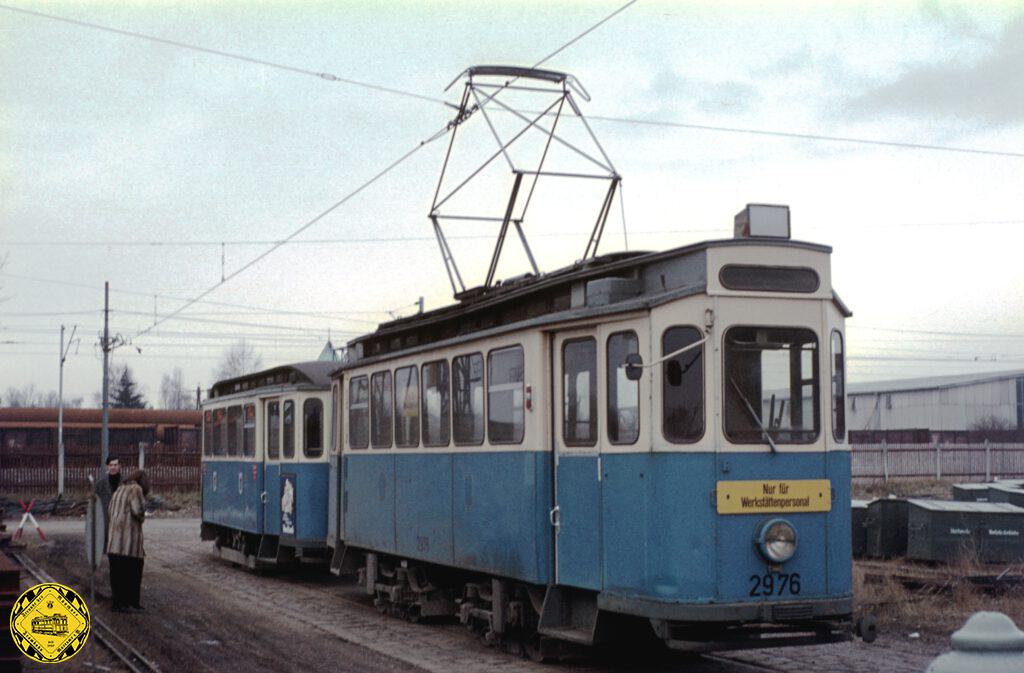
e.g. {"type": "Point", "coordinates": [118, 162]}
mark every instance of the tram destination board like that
{"type": "Point", "coordinates": [774, 496]}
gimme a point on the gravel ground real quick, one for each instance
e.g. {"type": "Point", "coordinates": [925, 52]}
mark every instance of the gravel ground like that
{"type": "Point", "coordinates": [203, 614]}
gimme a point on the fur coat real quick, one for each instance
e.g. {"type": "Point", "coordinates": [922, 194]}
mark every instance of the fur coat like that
{"type": "Point", "coordinates": [127, 512]}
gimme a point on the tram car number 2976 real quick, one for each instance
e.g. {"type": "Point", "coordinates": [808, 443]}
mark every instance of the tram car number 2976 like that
{"type": "Point", "coordinates": [775, 584]}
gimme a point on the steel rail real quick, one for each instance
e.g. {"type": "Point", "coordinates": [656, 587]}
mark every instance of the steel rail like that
{"type": "Point", "coordinates": [725, 659]}
{"type": "Point", "coordinates": [118, 646]}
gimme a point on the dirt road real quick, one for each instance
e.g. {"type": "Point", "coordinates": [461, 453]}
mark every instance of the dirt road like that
{"type": "Point", "coordinates": [205, 615]}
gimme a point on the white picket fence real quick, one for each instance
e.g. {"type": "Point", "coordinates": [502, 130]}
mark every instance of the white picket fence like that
{"type": "Point", "coordinates": [975, 461]}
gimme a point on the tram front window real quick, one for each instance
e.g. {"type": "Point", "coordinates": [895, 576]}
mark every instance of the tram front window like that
{"type": "Point", "coordinates": [771, 385]}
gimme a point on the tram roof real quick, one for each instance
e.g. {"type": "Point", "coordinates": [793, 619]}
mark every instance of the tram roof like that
{"type": "Point", "coordinates": [523, 300]}
{"type": "Point", "coordinates": [315, 373]}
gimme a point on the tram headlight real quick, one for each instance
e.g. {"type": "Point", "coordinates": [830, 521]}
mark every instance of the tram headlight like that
{"type": "Point", "coordinates": [776, 540]}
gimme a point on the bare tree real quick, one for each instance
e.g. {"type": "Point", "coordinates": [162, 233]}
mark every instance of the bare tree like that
{"type": "Point", "coordinates": [239, 359]}
{"type": "Point", "coordinates": [28, 396]}
{"type": "Point", "coordinates": [991, 426]}
{"type": "Point", "coordinates": [173, 394]}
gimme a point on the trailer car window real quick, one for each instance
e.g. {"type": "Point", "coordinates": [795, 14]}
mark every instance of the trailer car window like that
{"type": "Point", "coordinates": [288, 422]}
{"type": "Point", "coordinates": [623, 394]}
{"type": "Point", "coordinates": [771, 373]}
{"type": "Point", "coordinates": [407, 406]}
{"type": "Point", "coordinates": [358, 413]}
{"type": "Point", "coordinates": [468, 399]}
{"type": "Point", "coordinates": [381, 406]}
{"type": "Point", "coordinates": [838, 388]}
{"type": "Point", "coordinates": [579, 392]}
{"type": "Point", "coordinates": [682, 386]}
{"type": "Point", "coordinates": [505, 418]}
{"type": "Point", "coordinates": [208, 433]}
{"type": "Point", "coordinates": [313, 428]}
{"type": "Point", "coordinates": [273, 429]}
{"type": "Point", "coordinates": [435, 404]}
{"type": "Point", "coordinates": [249, 430]}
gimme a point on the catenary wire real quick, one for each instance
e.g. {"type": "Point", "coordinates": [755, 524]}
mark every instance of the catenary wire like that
{"type": "Point", "coordinates": [423, 143]}
{"type": "Point", "coordinates": [805, 136]}
{"type": "Point", "coordinates": [419, 239]}
{"type": "Point", "coordinates": [151, 295]}
{"type": "Point", "coordinates": [604, 118]}
{"type": "Point", "coordinates": [330, 77]}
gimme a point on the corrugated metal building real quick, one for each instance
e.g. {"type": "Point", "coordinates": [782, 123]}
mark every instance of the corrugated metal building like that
{"type": "Point", "coordinates": [937, 403]}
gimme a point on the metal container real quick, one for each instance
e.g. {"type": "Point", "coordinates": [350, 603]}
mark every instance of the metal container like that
{"type": "Point", "coordinates": [945, 531]}
{"type": "Point", "coordinates": [1006, 492]}
{"type": "Point", "coordinates": [858, 517]}
{"type": "Point", "coordinates": [971, 492]}
{"type": "Point", "coordinates": [886, 525]}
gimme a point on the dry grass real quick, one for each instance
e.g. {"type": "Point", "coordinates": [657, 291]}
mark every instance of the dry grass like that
{"type": "Point", "coordinates": [932, 611]}
{"type": "Point", "coordinates": [903, 488]}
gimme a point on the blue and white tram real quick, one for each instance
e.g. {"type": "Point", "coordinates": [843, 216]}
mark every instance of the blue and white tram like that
{"type": "Point", "coordinates": [265, 465]}
{"type": "Point", "coordinates": [645, 439]}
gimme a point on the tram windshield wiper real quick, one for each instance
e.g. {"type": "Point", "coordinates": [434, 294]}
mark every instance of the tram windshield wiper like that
{"type": "Point", "coordinates": [753, 414]}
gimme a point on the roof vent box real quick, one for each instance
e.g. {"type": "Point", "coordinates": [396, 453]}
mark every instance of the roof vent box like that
{"type": "Point", "coordinates": [762, 220]}
{"type": "Point", "coordinates": [604, 291]}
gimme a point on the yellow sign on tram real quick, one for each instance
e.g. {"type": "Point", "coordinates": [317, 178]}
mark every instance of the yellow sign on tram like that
{"type": "Point", "coordinates": [50, 623]}
{"type": "Point", "coordinates": [781, 496]}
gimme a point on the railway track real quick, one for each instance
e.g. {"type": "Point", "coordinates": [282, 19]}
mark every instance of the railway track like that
{"type": "Point", "coordinates": [118, 646]}
{"type": "Point", "coordinates": [726, 659]}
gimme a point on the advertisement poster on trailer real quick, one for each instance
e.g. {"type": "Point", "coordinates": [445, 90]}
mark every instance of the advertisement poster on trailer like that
{"type": "Point", "coordinates": [287, 504]}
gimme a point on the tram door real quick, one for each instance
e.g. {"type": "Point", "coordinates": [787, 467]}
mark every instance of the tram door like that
{"type": "Point", "coordinates": [576, 516]}
{"type": "Point", "coordinates": [271, 467]}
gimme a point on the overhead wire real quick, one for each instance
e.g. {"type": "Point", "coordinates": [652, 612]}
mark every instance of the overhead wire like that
{"type": "Point", "coordinates": [439, 134]}
{"type": "Point", "coordinates": [980, 335]}
{"type": "Point", "coordinates": [248, 265]}
{"type": "Point", "coordinates": [150, 295]}
{"type": "Point", "coordinates": [805, 136]}
{"type": "Point", "coordinates": [418, 239]}
{"type": "Point", "coordinates": [326, 76]}
{"type": "Point", "coordinates": [330, 77]}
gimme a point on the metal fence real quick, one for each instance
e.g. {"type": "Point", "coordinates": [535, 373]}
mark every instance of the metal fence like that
{"type": "Point", "coordinates": [32, 473]}
{"type": "Point", "coordinates": [984, 460]}
{"type": "Point", "coordinates": [35, 473]}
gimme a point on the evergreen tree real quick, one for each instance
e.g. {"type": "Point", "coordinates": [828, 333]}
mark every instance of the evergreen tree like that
{"type": "Point", "coordinates": [123, 394]}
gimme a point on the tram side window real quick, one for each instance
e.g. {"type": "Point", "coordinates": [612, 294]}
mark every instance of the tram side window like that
{"type": "Point", "coordinates": [288, 423]}
{"type": "Point", "coordinates": [273, 429]}
{"type": "Point", "coordinates": [407, 406]}
{"type": "Point", "coordinates": [208, 433]}
{"type": "Point", "coordinates": [313, 428]}
{"type": "Point", "coordinates": [579, 392]}
{"type": "Point", "coordinates": [838, 388]}
{"type": "Point", "coordinates": [249, 430]}
{"type": "Point", "coordinates": [505, 420]}
{"type": "Point", "coordinates": [682, 386]}
{"type": "Point", "coordinates": [358, 413]}
{"type": "Point", "coordinates": [219, 446]}
{"type": "Point", "coordinates": [771, 385]}
{"type": "Point", "coordinates": [435, 404]}
{"type": "Point", "coordinates": [468, 399]}
{"type": "Point", "coordinates": [381, 406]}
{"type": "Point", "coordinates": [623, 394]}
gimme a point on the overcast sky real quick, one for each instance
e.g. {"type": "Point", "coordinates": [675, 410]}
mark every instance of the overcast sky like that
{"type": "Point", "coordinates": [107, 139]}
